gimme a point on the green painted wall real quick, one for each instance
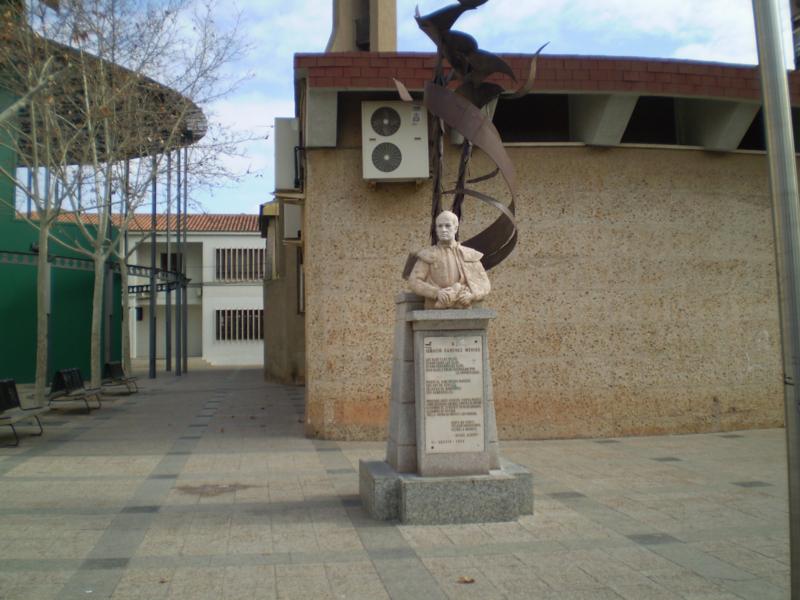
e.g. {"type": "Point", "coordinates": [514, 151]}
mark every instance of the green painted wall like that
{"type": "Point", "coordinates": [70, 320]}
{"type": "Point", "coordinates": [71, 309]}
{"type": "Point", "coordinates": [18, 325]}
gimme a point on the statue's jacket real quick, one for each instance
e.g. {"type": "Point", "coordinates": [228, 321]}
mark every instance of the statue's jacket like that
{"type": "Point", "coordinates": [439, 267]}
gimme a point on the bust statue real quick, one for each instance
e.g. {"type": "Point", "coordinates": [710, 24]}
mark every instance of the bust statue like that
{"type": "Point", "coordinates": [449, 275]}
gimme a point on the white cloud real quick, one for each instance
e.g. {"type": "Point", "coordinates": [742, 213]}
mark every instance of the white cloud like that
{"type": "Point", "coordinates": [252, 112]}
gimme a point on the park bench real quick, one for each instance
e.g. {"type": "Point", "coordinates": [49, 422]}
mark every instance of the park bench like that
{"type": "Point", "coordinates": [11, 411]}
{"type": "Point", "coordinates": [68, 386]}
{"type": "Point", "coordinates": [115, 376]}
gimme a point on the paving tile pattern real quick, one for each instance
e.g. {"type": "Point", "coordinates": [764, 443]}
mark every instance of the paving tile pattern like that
{"type": "Point", "coordinates": [203, 487]}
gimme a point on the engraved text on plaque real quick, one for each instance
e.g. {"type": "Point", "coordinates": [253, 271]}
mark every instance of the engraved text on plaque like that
{"type": "Point", "coordinates": [453, 398]}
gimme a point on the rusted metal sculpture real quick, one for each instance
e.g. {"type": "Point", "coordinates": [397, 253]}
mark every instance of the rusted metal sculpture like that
{"type": "Point", "coordinates": [461, 110]}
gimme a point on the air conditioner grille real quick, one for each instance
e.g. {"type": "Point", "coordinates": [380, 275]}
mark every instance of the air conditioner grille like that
{"type": "Point", "coordinates": [385, 121]}
{"type": "Point", "coordinates": [386, 157]}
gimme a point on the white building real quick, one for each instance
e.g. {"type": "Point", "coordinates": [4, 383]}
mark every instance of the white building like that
{"type": "Point", "coordinates": [225, 261]}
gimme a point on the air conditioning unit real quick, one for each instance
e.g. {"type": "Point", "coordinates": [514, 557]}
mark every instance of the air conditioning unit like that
{"type": "Point", "coordinates": [394, 139]}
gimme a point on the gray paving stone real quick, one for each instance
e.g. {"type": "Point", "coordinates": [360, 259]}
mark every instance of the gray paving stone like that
{"type": "Point", "coordinates": [650, 539]}
{"type": "Point", "coordinates": [344, 471]}
{"type": "Point", "coordinates": [105, 563]}
{"type": "Point", "coordinates": [407, 579]}
{"type": "Point", "coordinates": [391, 553]}
{"type": "Point", "coordinates": [566, 495]}
{"type": "Point", "coordinates": [141, 509]}
{"type": "Point", "coordinates": [756, 588]}
{"type": "Point", "coordinates": [10, 565]}
{"type": "Point", "coordinates": [91, 583]}
{"type": "Point", "coordinates": [702, 563]}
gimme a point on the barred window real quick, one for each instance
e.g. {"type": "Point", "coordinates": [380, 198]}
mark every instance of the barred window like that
{"type": "Point", "coordinates": [240, 324]}
{"type": "Point", "coordinates": [239, 264]}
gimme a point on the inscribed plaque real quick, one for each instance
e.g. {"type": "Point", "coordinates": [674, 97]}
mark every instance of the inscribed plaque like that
{"type": "Point", "coordinates": [453, 397]}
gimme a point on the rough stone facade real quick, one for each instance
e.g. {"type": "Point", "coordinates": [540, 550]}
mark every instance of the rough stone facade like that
{"type": "Point", "coordinates": [641, 298]}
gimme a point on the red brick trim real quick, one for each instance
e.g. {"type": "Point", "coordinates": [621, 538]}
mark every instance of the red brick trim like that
{"type": "Point", "coordinates": [366, 70]}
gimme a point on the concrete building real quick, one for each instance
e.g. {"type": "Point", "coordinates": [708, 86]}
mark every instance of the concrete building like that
{"type": "Point", "coordinates": [225, 261]}
{"type": "Point", "coordinates": [641, 298]}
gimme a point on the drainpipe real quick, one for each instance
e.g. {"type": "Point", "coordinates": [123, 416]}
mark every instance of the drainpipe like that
{"type": "Point", "coordinates": [152, 307]}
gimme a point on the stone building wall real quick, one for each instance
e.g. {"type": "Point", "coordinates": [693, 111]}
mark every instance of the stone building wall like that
{"type": "Point", "coordinates": [641, 298]}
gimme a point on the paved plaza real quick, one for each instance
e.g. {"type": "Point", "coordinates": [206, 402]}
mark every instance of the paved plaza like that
{"type": "Point", "coordinates": [203, 487]}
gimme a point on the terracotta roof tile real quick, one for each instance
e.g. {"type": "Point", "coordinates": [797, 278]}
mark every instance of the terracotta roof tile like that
{"type": "Point", "coordinates": [201, 222]}
{"type": "Point", "coordinates": [196, 222]}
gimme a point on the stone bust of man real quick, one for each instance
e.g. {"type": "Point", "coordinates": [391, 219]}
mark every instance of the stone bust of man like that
{"type": "Point", "coordinates": [449, 275]}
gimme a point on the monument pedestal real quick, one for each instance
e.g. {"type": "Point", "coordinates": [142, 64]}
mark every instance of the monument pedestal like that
{"type": "Point", "coordinates": [502, 495]}
{"type": "Point", "coordinates": [442, 461]}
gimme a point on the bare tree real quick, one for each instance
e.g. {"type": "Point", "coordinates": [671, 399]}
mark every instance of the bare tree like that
{"type": "Point", "coordinates": [109, 113]}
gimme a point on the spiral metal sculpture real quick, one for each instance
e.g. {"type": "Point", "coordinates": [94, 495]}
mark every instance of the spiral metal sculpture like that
{"type": "Point", "coordinates": [460, 109]}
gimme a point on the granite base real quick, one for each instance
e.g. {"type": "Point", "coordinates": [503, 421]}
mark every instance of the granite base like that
{"type": "Point", "coordinates": [502, 495]}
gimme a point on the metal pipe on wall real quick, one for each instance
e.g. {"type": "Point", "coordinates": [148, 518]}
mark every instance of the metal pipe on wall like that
{"type": "Point", "coordinates": [152, 336]}
{"type": "Point", "coordinates": [180, 296]}
{"type": "Point", "coordinates": [126, 207]}
{"type": "Point", "coordinates": [168, 307]}
{"type": "Point", "coordinates": [126, 322]}
{"type": "Point", "coordinates": [185, 245]}
{"type": "Point", "coordinates": [786, 224]}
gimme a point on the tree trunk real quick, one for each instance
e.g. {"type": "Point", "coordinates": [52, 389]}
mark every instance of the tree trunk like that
{"type": "Point", "coordinates": [42, 313]}
{"type": "Point", "coordinates": [97, 318]}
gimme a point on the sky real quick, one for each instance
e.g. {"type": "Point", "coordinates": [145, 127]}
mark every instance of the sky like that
{"type": "Point", "coordinates": [274, 30]}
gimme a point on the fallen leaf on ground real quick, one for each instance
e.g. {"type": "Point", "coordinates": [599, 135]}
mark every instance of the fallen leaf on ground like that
{"type": "Point", "coordinates": [466, 579]}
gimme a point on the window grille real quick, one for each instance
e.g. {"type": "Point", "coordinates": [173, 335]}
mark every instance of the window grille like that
{"type": "Point", "coordinates": [239, 264]}
{"type": "Point", "coordinates": [239, 325]}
